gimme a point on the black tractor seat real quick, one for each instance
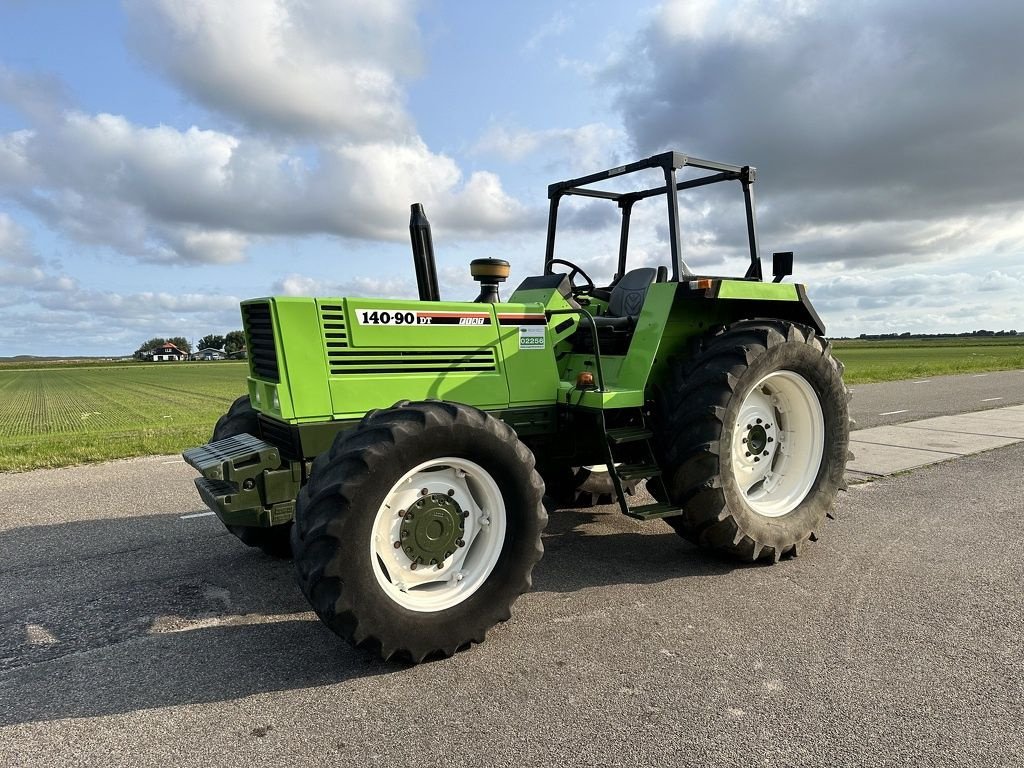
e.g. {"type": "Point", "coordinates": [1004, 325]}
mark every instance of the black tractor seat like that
{"type": "Point", "coordinates": [627, 299]}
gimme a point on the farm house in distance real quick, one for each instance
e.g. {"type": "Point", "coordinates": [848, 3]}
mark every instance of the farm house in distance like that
{"type": "Point", "coordinates": [209, 353]}
{"type": "Point", "coordinates": [168, 353]}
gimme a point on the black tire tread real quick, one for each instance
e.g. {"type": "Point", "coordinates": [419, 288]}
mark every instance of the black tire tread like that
{"type": "Point", "coordinates": [345, 474]}
{"type": "Point", "coordinates": [694, 401]}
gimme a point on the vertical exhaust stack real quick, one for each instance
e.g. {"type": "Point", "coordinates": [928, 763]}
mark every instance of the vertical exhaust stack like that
{"type": "Point", "coordinates": [423, 254]}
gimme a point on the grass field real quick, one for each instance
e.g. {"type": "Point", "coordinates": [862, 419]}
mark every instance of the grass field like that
{"type": "Point", "coordinates": [64, 414]}
{"type": "Point", "coordinates": [56, 414]}
{"type": "Point", "coordinates": [869, 361]}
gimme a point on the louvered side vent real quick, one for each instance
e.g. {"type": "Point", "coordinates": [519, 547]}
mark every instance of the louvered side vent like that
{"type": "Point", "coordinates": [333, 318]}
{"type": "Point", "coordinates": [397, 362]}
{"type": "Point", "coordinates": [259, 337]}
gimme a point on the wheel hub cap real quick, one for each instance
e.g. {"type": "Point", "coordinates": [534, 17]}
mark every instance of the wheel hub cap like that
{"type": "Point", "coordinates": [432, 529]}
{"type": "Point", "coordinates": [757, 439]}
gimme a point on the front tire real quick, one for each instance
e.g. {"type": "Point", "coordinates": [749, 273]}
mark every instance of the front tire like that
{"type": "Point", "coordinates": [419, 529]}
{"type": "Point", "coordinates": [754, 438]}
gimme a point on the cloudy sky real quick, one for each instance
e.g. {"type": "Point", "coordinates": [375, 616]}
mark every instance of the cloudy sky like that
{"type": "Point", "coordinates": [162, 159]}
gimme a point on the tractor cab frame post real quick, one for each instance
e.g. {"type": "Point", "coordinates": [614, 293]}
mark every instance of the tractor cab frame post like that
{"type": "Point", "coordinates": [669, 163]}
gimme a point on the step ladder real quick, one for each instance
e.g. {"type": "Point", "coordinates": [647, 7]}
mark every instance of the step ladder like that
{"type": "Point", "coordinates": [646, 468]}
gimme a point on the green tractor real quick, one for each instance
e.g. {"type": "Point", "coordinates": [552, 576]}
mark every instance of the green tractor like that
{"type": "Point", "coordinates": [400, 451]}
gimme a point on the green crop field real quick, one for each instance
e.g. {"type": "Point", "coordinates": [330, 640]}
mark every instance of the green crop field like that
{"type": "Point", "coordinates": [66, 414]}
{"type": "Point", "coordinates": [892, 360]}
{"type": "Point", "coordinates": [61, 413]}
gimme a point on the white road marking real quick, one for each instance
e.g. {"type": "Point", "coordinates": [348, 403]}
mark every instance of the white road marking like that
{"type": "Point", "coordinates": [990, 399]}
{"type": "Point", "coordinates": [922, 381]}
{"type": "Point", "coordinates": [978, 375]}
{"type": "Point", "coordinates": [197, 514]}
{"type": "Point", "coordinates": [893, 413]}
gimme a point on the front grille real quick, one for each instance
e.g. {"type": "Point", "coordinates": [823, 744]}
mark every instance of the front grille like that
{"type": "Point", "coordinates": [259, 339]}
{"type": "Point", "coordinates": [397, 362]}
{"type": "Point", "coordinates": [284, 436]}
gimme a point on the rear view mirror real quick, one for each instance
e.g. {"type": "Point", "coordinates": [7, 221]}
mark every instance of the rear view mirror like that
{"type": "Point", "coordinates": [782, 265]}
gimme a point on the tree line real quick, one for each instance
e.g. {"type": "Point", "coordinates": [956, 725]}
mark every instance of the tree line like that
{"type": "Point", "coordinates": [232, 341]}
{"type": "Point", "coordinates": [909, 335]}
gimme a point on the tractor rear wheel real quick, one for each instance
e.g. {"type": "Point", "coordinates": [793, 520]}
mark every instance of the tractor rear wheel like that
{"type": "Point", "coordinates": [419, 529]}
{"type": "Point", "coordinates": [753, 439]}
{"type": "Point", "coordinates": [581, 487]}
{"type": "Point", "coordinates": [275, 541]}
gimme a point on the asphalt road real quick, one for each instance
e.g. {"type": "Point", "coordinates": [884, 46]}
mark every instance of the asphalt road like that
{"type": "Point", "coordinates": [896, 402]}
{"type": "Point", "coordinates": [131, 634]}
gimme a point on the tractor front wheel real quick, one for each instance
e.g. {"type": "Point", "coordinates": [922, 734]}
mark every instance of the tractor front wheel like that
{"type": "Point", "coordinates": [419, 529]}
{"type": "Point", "coordinates": [753, 439]}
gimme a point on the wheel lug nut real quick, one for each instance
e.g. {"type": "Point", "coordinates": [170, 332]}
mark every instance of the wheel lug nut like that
{"type": "Point", "coordinates": [771, 439]}
{"type": "Point", "coordinates": [465, 515]}
{"type": "Point", "coordinates": [424, 492]}
{"type": "Point", "coordinates": [744, 439]}
{"type": "Point", "coordinates": [757, 458]}
{"type": "Point", "coordinates": [747, 453]}
{"type": "Point", "coordinates": [412, 566]}
{"type": "Point", "coordinates": [451, 491]}
{"type": "Point", "coordinates": [758, 421]}
{"type": "Point", "coordinates": [405, 534]}
{"type": "Point", "coordinates": [750, 426]}
{"type": "Point", "coordinates": [401, 513]}
{"type": "Point", "coordinates": [766, 453]}
{"type": "Point", "coordinates": [398, 545]}
{"type": "Point", "coordinates": [460, 543]}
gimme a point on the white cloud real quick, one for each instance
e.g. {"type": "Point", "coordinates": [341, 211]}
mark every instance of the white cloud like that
{"type": "Point", "coordinates": [39, 95]}
{"type": "Point", "coordinates": [202, 196]}
{"type": "Point", "coordinates": [320, 143]}
{"type": "Point", "coordinates": [15, 249]}
{"type": "Point", "coordinates": [881, 131]}
{"type": "Point", "coordinates": [136, 306]}
{"type": "Point", "coordinates": [915, 301]}
{"type": "Point", "coordinates": [385, 288]}
{"type": "Point", "coordinates": [556, 25]}
{"type": "Point", "coordinates": [754, 20]}
{"type": "Point", "coordinates": [589, 146]}
{"type": "Point", "coordinates": [318, 68]}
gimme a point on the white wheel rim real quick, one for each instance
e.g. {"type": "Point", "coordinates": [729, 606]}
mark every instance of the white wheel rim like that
{"type": "Point", "coordinates": [778, 443]}
{"type": "Point", "coordinates": [425, 587]}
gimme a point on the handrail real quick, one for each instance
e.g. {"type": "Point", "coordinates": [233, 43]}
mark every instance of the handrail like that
{"type": "Point", "coordinates": [593, 332]}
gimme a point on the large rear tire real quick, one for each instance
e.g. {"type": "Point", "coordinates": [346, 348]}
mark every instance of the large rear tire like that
{"type": "Point", "coordinates": [582, 487]}
{"type": "Point", "coordinates": [419, 529]}
{"type": "Point", "coordinates": [753, 439]}
{"type": "Point", "coordinates": [275, 541]}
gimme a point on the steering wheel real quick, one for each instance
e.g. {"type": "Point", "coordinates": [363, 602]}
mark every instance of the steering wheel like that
{"type": "Point", "coordinates": [576, 290]}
